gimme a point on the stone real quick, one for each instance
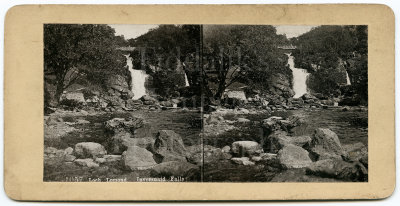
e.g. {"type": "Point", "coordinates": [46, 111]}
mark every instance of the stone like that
{"type": "Point", "coordinates": [82, 121]}
{"type": "Point", "coordinates": [137, 158]}
{"type": "Point", "coordinates": [239, 95]}
{"type": "Point", "coordinates": [339, 169]}
{"type": "Point", "coordinates": [246, 148]}
{"type": "Point", "coordinates": [77, 97]}
{"type": "Point", "coordinates": [173, 168]}
{"type": "Point", "coordinates": [88, 162]}
{"type": "Point", "coordinates": [124, 124]}
{"type": "Point", "coordinates": [100, 160]}
{"type": "Point", "coordinates": [242, 161]}
{"type": "Point", "coordinates": [325, 144]}
{"type": "Point", "coordinates": [256, 158]}
{"type": "Point", "coordinates": [112, 158]}
{"type": "Point", "coordinates": [69, 158]}
{"type": "Point", "coordinates": [279, 139]}
{"type": "Point", "coordinates": [307, 96]}
{"type": "Point", "coordinates": [355, 151]}
{"type": "Point", "coordinates": [211, 154]}
{"type": "Point", "coordinates": [168, 145]}
{"type": "Point", "coordinates": [226, 149]}
{"type": "Point", "coordinates": [89, 149]}
{"type": "Point", "coordinates": [271, 124]}
{"type": "Point", "coordinates": [69, 150]}
{"type": "Point", "coordinates": [243, 120]}
{"type": "Point", "coordinates": [292, 156]}
{"type": "Point", "coordinates": [119, 143]}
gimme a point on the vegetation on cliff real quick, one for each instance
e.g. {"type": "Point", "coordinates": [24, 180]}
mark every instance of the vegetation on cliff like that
{"type": "Point", "coordinates": [327, 52]}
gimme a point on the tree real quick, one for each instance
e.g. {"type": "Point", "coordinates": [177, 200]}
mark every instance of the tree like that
{"type": "Point", "coordinates": [80, 52]}
{"type": "Point", "coordinates": [241, 54]}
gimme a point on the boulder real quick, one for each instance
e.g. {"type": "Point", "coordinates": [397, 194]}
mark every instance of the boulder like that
{"type": "Point", "coordinates": [69, 150]}
{"type": "Point", "coordinates": [88, 162]}
{"type": "Point", "coordinates": [169, 146]}
{"type": "Point", "coordinates": [120, 142]}
{"type": "Point", "coordinates": [325, 144]}
{"type": "Point", "coordinates": [292, 156]}
{"type": "Point", "coordinates": [339, 169]}
{"type": "Point", "coordinates": [124, 124]}
{"type": "Point", "coordinates": [76, 97]}
{"type": "Point", "coordinates": [173, 168]}
{"type": "Point", "coordinates": [246, 148]}
{"type": "Point", "coordinates": [211, 154]}
{"type": "Point", "coordinates": [137, 158]}
{"type": "Point", "coordinates": [271, 124]}
{"type": "Point", "coordinates": [279, 139]}
{"type": "Point", "coordinates": [242, 161]}
{"type": "Point", "coordinates": [226, 149]}
{"type": "Point", "coordinates": [69, 158]}
{"type": "Point", "coordinates": [307, 96]}
{"type": "Point", "coordinates": [89, 150]}
{"type": "Point", "coordinates": [356, 151]}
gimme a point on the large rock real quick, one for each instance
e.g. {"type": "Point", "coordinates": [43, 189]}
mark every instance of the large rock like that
{"type": "Point", "coordinates": [169, 146]}
{"type": "Point", "coordinates": [174, 168]}
{"type": "Point", "coordinates": [246, 148]}
{"type": "Point", "coordinates": [120, 142]}
{"type": "Point", "coordinates": [117, 125]}
{"type": "Point", "coordinates": [234, 98]}
{"type": "Point", "coordinates": [356, 151]}
{"type": "Point", "coordinates": [271, 124]}
{"type": "Point", "coordinates": [137, 158]}
{"type": "Point", "coordinates": [325, 144]}
{"type": "Point", "coordinates": [292, 156]}
{"type": "Point", "coordinates": [339, 169]}
{"type": "Point", "coordinates": [89, 150]}
{"type": "Point", "coordinates": [279, 139]}
{"type": "Point", "coordinates": [77, 97]}
{"type": "Point", "coordinates": [211, 154]}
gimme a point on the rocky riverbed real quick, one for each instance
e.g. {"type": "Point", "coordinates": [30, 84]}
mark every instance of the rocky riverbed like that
{"type": "Point", "coordinates": [245, 144]}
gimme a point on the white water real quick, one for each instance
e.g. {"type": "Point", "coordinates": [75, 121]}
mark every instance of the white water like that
{"type": "Point", "coordinates": [138, 79]}
{"type": "Point", "coordinates": [299, 78]}
{"type": "Point", "coordinates": [186, 81]}
{"type": "Point", "coordinates": [347, 79]}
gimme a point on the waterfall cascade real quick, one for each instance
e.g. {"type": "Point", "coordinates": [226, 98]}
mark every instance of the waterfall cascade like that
{"type": "Point", "coordinates": [186, 81]}
{"type": "Point", "coordinates": [299, 78]}
{"type": "Point", "coordinates": [347, 79]}
{"type": "Point", "coordinates": [138, 79]}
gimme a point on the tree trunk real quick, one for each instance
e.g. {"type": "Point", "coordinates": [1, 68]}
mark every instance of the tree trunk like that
{"type": "Point", "coordinates": [59, 90]}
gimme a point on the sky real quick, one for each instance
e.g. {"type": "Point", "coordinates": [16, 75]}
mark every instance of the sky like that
{"type": "Point", "coordinates": [132, 30]}
{"type": "Point", "coordinates": [293, 31]}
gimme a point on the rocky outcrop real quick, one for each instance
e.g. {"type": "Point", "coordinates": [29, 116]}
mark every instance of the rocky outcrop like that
{"type": "Point", "coordinates": [89, 150]}
{"type": "Point", "coordinates": [137, 158]}
{"type": "Point", "coordinates": [292, 156]}
{"type": "Point", "coordinates": [325, 144]}
{"type": "Point", "coordinates": [356, 151]}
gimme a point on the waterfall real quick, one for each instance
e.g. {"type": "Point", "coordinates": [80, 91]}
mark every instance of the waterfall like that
{"type": "Point", "coordinates": [138, 79]}
{"type": "Point", "coordinates": [186, 81]}
{"type": "Point", "coordinates": [347, 79]}
{"type": "Point", "coordinates": [299, 78]}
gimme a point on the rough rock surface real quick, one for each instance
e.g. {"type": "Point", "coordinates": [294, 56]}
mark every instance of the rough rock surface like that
{"type": "Point", "coordinates": [169, 146]}
{"type": "Point", "coordinates": [88, 162]}
{"type": "Point", "coordinates": [117, 125]}
{"type": "Point", "coordinates": [292, 156]}
{"type": "Point", "coordinates": [356, 152]}
{"type": "Point", "coordinates": [278, 140]}
{"type": "Point", "coordinates": [211, 154]}
{"type": "Point", "coordinates": [89, 150]}
{"type": "Point", "coordinates": [136, 158]}
{"type": "Point", "coordinates": [339, 169]}
{"type": "Point", "coordinates": [325, 144]}
{"type": "Point", "coordinates": [245, 148]}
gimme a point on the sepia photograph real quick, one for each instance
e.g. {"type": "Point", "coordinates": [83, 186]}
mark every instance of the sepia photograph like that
{"type": "Point", "coordinates": [205, 103]}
